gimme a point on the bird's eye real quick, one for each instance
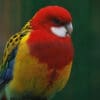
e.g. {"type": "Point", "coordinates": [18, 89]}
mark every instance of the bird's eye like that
{"type": "Point", "coordinates": [56, 21]}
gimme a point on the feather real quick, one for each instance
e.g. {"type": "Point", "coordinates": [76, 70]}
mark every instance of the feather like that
{"type": "Point", "coordinates": [6, 67]}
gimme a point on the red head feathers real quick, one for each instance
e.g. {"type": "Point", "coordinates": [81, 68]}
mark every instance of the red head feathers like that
{"type": "Point", "coordinates": [47, 14]}
{"type": "Point", "coordinates": [50, 41]}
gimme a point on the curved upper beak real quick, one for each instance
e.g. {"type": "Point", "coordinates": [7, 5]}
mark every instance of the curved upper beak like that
{"type": "Point", "coordinates": [69, 27]}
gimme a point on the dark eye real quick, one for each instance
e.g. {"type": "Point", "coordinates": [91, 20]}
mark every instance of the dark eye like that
{"type": "Point", "coordinates": [56, 21]}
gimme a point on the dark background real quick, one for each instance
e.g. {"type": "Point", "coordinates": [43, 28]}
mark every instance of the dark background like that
{"type": "Point", "coordinates": [84, 83]}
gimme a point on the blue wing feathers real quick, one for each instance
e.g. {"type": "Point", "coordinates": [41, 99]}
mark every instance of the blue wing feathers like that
{"type": "Point", "coordinates": [7, 74]}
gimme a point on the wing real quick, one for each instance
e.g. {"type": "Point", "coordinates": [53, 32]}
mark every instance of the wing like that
{"type": "Point", "coordinates": [6, 66]}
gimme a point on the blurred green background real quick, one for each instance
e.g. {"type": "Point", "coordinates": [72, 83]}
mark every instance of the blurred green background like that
{"type": "Point", "coordinates": [84, 83]}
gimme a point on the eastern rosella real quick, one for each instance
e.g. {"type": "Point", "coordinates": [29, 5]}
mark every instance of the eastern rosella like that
{"type": "Point", "coordinates": [37, 60]}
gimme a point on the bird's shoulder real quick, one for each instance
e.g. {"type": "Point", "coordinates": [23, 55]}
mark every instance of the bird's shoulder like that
{"type": "Point", "coordinates": [7, 61]}
{"type": "Point", "coordinates": [14, 41]}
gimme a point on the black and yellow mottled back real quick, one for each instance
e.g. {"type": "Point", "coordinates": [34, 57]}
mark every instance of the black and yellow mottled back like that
{"type": "Point", "coordinates": [9, 55]}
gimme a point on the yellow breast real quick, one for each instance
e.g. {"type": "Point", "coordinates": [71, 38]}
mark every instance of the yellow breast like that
{"type": "Point", "coordinates": [31, 75]}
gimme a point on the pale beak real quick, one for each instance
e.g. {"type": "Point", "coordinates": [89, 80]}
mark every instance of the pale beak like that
{"type": "Point", "coordinates": [69, 28]}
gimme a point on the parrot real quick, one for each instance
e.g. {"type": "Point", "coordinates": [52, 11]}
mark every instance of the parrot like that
{"type": "Point", "coordinates": [37, 60]}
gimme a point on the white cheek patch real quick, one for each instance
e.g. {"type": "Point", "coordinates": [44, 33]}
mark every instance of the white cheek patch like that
{"type": "Point", "coordinates": [59, 31]}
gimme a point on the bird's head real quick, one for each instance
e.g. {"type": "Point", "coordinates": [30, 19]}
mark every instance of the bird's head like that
{"type": "Point", "coordinates": [53, 19]}
{"type": "Point", "coordinates": [50, 40]}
